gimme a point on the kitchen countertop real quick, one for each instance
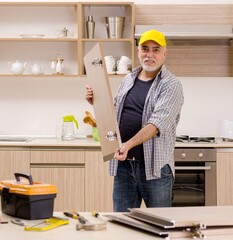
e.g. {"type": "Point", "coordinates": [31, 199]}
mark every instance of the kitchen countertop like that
{"type": "Point", "coordinates": [89, 142]}
{"type": "Point", "coordinates": [113, 231]}
{"type": "Point", "coordinates": [52, 142]}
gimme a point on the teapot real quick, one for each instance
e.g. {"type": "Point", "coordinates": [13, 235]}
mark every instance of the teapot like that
{"type": "Point", "coordinates": [36, 69]}
{"type": "Point", "coordinates": [17, 67]}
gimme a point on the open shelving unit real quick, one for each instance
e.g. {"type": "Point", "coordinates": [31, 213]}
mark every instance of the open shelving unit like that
{"type": "Point", "coordinates": [45, 20]}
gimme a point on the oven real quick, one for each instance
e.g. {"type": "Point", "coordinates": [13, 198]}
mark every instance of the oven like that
{"type": "Point", "coordinates": [195, 177]}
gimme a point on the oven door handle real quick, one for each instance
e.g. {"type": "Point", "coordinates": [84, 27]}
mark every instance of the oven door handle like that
{"type": "Point", "coordinates": [193, 168]}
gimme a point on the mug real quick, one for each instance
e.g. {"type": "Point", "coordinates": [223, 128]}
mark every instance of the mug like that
{"type": "Point", "coordinates": [125, 59]}
{"type": "Point", "coordinates": [110, 67]}
{"type": "Point", "coordinates": [110, 59]}
{"type": "Point", "coordinates": [122, 68]}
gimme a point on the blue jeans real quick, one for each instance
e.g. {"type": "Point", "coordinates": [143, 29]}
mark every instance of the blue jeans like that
{"type": "Point", "coordinates": [131, 186]}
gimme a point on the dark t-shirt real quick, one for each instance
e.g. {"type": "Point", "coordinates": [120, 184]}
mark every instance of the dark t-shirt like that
{"type": "Point", "coordinates": [131, 117]}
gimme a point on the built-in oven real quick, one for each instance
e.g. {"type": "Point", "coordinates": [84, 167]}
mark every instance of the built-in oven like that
{"type": "Point", "coordinates": [195, 177]}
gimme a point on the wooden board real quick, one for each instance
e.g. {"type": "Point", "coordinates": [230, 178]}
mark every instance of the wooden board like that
{"type": "Point", "coordinates": [187, 216]}
{"type": "Point", "coordinates": [171, 233]}
{"type": "Point", "coordinates": [103, 102]}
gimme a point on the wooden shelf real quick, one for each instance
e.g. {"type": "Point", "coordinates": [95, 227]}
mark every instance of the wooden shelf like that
{"type": "Point", "coordinates": [48, 19]}
{"type": "Point", "coordinates": [39, 75]}
{"type": "Point", "coordinates": [38, 39]}
{"type": "Point", "coordinates": [107, 40]}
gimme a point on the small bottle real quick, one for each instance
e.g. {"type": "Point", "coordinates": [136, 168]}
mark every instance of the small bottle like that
{"type": "Point", "coordinates": [90, 24]}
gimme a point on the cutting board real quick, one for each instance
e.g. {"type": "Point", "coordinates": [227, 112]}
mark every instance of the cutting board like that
{"type": "Point", "coordinates": [104, 111]}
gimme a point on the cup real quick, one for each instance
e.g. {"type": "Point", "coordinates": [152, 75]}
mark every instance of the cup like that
{"type": "Point", "coordinates": [110, 62]}
{"type": "Point", "coordinates": [95, 134]}
{"type": "Point", "coordinates": [123, 68]}
{"type": "Point", "coordinates": [125, 59]}
{"type": "Point", "coordinates": [110, 67]}
{"type": "Point", "coordinates": [109, 58]}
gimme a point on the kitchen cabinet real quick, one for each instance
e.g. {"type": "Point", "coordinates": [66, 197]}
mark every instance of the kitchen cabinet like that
{"type": "Point", "coordinates": [42, 32]}
{"type": "Point", "coordinates": [65, 169]}
{"type": "Point", "coordinates": [13, 160]}
{"type": "Point", "coordinates": [111, 46]}
{"type": "Point", "coordinates": [98, 183]}
{"type": "Point", "coordinates": [189, 53]}
{"type": "Point", "coordinates": [224, 176]}
{"type": "Point", "coordinates": [80, 175]}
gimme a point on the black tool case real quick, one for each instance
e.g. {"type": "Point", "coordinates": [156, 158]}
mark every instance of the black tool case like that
{"type": "Point", "coordinates": [27, 199]}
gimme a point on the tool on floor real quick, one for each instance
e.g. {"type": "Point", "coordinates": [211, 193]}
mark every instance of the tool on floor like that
{"type": "Point", "coordinates": [91, 226]}
{"type": "Point", "coordinates": [70, 214]}
{"type": "Point", "coordinates": [84, 223]}
{"type": "Point", "coordinates": [75, 215]}
{"type": "Point", "coordinates": [3, 221]}
{"type": "Point", "coordinates": [97, 215]}
{"type": "Point", "coordinates": [19, 222]}
{"type": "Point", "coordinates": [48, 224]}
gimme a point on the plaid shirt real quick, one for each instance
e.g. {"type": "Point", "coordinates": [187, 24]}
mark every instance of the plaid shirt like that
{"type": "Point", "coordinates": [162, 108]}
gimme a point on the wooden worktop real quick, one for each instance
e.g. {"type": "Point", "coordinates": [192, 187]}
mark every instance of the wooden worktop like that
{"type": "Point", "coordinates": [89, 142]}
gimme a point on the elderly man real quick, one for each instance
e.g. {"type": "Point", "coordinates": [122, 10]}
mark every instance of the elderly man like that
{"type": "Point", "coordinates": [148, 105]}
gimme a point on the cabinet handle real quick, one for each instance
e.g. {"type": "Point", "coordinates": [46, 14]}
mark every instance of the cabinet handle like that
{"type": "Point", "coordinates": [193, 168]}
{"type": "Point", "coordinates": [183, 155]}
{"type": "Point", "coordinates": [57, 165]}
{"type": "Point", "coordinates": [200, 155]}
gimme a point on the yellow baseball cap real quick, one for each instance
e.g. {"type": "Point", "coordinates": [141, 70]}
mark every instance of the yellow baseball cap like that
{"type": "Point", "coordinates": [153, 35]}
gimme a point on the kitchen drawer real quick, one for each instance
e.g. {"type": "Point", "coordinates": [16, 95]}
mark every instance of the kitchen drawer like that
{"type": "Point", "coordinates": [195, 154]}
{"type": "Point", "coordinates": [54, 156]}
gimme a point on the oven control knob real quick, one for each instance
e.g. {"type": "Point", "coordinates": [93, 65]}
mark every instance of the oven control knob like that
{"type": "Point", "coordinates": [200, 155]}
{"type": "Point", "coordinates": [183, 155]}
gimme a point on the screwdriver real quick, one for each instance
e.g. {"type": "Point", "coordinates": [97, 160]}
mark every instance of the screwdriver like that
{"type": "Point", "coordinates": [71, 215]}
{"type": "Point", "coordinates": [76, 215]}
{"type": "Point", "coordinates": [97, 215]}
{"type": "Point", "coordinates": [81, 219]}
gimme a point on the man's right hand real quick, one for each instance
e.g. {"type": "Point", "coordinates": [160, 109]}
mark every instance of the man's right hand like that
{"type": "Point", "coordinates": [89, 94]}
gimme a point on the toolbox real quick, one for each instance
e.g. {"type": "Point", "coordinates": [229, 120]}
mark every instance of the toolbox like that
{"type": "Point", "coordinates": [23, 198]}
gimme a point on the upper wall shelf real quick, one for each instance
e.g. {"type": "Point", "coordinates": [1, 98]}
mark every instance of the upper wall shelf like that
{"type": "Point", "coordinates": [189, 31]}
{"type": "Point", "coordinates": [43, 32]}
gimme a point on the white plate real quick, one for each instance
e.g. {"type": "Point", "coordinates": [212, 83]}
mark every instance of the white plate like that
{"type": "Point", "coordinates": [32, 35]}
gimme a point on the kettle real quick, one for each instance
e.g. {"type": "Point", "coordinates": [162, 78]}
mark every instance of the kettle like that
{"type": "Point", "coordinates": [68, 128]}
{"type": "Point", "coordinates": [17, 67]}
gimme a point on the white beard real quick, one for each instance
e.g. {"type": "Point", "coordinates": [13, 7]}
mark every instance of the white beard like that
{"type": "Point", "coordinates": [148, 68]}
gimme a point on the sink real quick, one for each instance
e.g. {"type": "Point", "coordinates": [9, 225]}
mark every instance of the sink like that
{"type": "Point", "coordinates": [15, 139]}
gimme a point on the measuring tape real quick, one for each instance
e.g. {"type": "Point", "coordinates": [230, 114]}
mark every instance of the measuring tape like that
{"type": "Point", "coordinates": [48, 224]}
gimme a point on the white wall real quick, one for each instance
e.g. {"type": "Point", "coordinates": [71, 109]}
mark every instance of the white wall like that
{"type": "Point", "coordinates": [35, 106]}
{"type": "Point", "coordinates": [208, 101]}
